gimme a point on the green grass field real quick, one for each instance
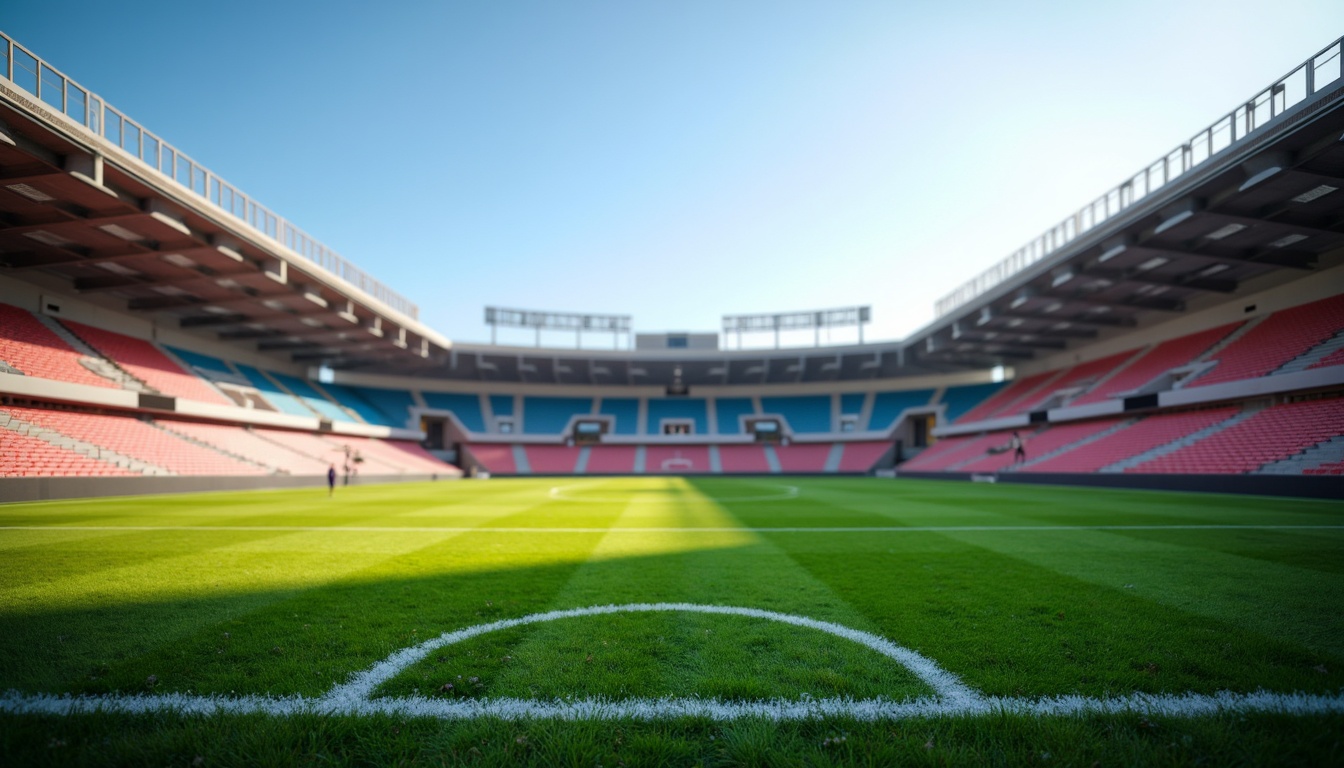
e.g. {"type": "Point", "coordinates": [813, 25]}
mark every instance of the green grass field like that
{"type": "Point", "coordinates": [260, 608]}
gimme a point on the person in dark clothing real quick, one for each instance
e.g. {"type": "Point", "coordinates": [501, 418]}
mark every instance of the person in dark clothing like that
{"type": "Point", "coordinates": [331, 479]}
{"type": "Point", "coordinates": [1019, 450]}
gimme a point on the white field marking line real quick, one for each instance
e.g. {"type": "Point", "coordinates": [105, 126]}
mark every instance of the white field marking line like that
{"type": "Point", "coordinates": [954, 698]}
{"type": "Point", "coordinates": [561, 493]}
{"type": "Point", "coordinates": [1166, 704]}
{"type": "Point", "coordinates": [669, 529]}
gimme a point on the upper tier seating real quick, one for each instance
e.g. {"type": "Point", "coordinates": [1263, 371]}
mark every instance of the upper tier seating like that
{"type": "Point", "coordinates": [961, 399]}
{"type": "Point", "coordinates": [1273, 434]}
{"type": "Point", "coordinates": [728, 412]}
{"type": "Point", "coordinates": [1081, 376]}
{"type": "Point", "coordinates": [550, 415]}
{"type": "Point", "coordinates": [467, 408]}
{"type": "Point", "coordinates": [1040, 443]}
{"type": "Point", "coordinates": [243, 442]}
{"type": "Point", "coordinates": [611, 459]}
{"type": "Point", "coordinates": [676, 459]}
{"type": "Point", "coordinates": [804, 413]}
{"type": "Point", "coordinates": [27, 456]}
{"type": "Point", "coordinates": [1003, 400]}
{"type": "Point", "coordinates": [888, 405]}
{"type": "Point", "coordinates": [383, 407]}
{"type": "Point", "coordinates": [1172, 353]}
{"type": "Point", "coordinates": [552, 459]}
{"type": "Point", "coordinates": [496, 458]}
{"type": "Point", "coordinates": [311, 397]}
{"type": "Point", "coordinates": [137, 439]}
{"type": "Point", "coordinates": [208, 368]}
{"type": "Point", "coordinates": [692, 409]}
{"type": "Point", "coordinates": [743, 458]}
{"type": "Point", "coordinates": [282, 400]}
{"type": "Point", "coordinates": [803, 457]}
{"type": "Point", "coordinates": [1277, 339]}
{"type": "Point", "coordinates": [1147, 434]}
{"type": "Point", "coordinates": [29, 346]}
{"type": "Point", "coordinates": [625, 413]}
{"type": "Point", "coordinates": [147, 363]}
{"type": "Point", "coordinates": [860, 457]}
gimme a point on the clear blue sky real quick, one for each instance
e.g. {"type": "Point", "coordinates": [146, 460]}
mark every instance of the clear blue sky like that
{"type": "Point", "coordinates": [676, 161]}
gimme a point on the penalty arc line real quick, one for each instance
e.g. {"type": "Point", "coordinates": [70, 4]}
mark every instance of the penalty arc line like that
{"type": "Point", "coordinates": [954, 699]}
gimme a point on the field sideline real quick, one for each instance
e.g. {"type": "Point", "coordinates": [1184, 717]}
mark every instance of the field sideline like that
{"type": "Point", "coordinates": [673, 620]}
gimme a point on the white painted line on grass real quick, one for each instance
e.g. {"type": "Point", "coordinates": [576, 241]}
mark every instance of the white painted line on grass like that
{"type": "Point", "coordinates": [562, 493]}
{"type": "Point", "coordinates": [1165, 704]}
{"type": "Point", "coordinates": [673, 529]}
{"type": "Point", "coordinates": [953, 698]}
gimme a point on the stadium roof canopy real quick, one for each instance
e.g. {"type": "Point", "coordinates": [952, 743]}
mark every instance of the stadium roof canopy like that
{"type": "Point", "coordinates": [93, 205]}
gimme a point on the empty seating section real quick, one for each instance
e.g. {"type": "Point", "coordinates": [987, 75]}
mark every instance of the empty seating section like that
{"type": "Point", "coordinates": [207, 367]}
{"type": "Point", "coordinates": [1149, 433]}
{"type": "Point", "coordinates": [388, 456]}
{"type": "Point", "coordinates": [1334, 358]}
{"type": "Point", "coordinates": [140, 440]}
{"type": "Point", "coordinates": [954, 450]}
{"type": "Point", "coordinates": [1040, 443]}
{"type": "Point", "coordinates": [803, 457]}
{"type": "Point", "coordinates": [743, 459]}
{"type": "Point", "coordinates": [28, 456]}
{"type": "Point", "coordinates": [467, 408]}
{"type": "Point", "coordinates": [688, 409]}
{"type": "Point", "coordinates": [1277, 339]}
{"type": "Point", "coordinates": [1335, 468]}
{"type": "Point", "coordinates": [1006, 398]}
{"type": "Point", "coordinates": [353, 401]}
{"type": "Point", "coordinates": [244, 442]}
{"type": "Point", "coordinates": [550, 415]}
{"type": "Point", "coordinates": [860, 457]}
{"type": "Point", "coordinates": [29, 346]}
{"type": "Point", "coordinates": [311, 397]}
{"type": "Point", "coordinates": [384, 407]}
{"type": "Point", "coordinates": [501, 405]}
{"type": "Point", "coordinates": [552, 459]}
{"type": "Point", "coordinates": [961, 399]}
{"type": "Point", "coordinates": [888, 405]}
{"type": "Point", "coordinates": [728, 412]}
{"type": "Point", "coordinates": [1172, 353]}
{"type": "Point", "coordinates": [1082, 377]}
{"type": "Point", "coordinates": [309, 445]}
{"type": "Point", "coordinates": [496, 458]}
{"type": "Point", "coordinates": [676, 459]}
{"type": "Point", "coordinates": [806, 413]}
{"type": "Point", "coordinates": [624, 413]}
{"type": "Point", "coordinates": [851, 403]}
{"type": "Point", "coordinates": [1273, 434]}
{"type": "Point", "coordinates": [283, 401]}
{"type": "Point", "coordinates": [147, 363]}
{"type": "Point", "coordinates": [611, 459]}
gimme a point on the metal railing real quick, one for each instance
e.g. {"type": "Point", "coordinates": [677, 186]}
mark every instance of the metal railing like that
{"type": "Point", "coordinates": [25, 70]}
{"type": "Point", "coordinates": [1262, 109]}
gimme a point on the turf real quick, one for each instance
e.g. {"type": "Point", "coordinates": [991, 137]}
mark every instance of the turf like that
{"type": "Point", "coordinates": [1019, 591]}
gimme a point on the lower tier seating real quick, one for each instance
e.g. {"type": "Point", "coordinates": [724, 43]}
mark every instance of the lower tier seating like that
{"type": "Point", "coordinates": [1270, 435]}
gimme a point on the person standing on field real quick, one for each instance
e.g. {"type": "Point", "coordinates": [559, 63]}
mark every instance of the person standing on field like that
{"type": "Point", "coordinates": [331, 479]}
{"type": "Point", "coordinates": [1019, 450]}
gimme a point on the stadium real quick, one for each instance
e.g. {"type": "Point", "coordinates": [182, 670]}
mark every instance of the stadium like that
{"type": "Point", "coordinates": [257, 511]}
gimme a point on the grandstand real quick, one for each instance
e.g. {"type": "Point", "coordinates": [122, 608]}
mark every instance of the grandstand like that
{"type": "Point", "coordinates": [159, 330]}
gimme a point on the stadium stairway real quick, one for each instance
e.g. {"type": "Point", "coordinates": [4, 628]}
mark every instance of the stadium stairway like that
{"type": "Point", "coordinates": [1325, 455]}
{"type": "Point", "coordinates": [94, 360]}
{"type": "Point", "coordinates": [1182, 442]}
{"type": "Point", "coordinates": [1086, 440]}
{"type": "Point", "coordinates": [1328, 352]}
